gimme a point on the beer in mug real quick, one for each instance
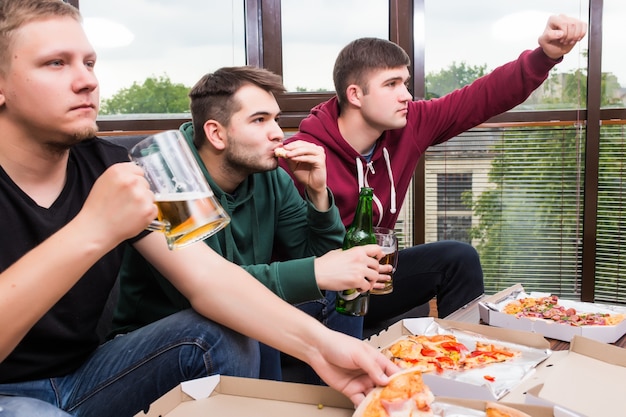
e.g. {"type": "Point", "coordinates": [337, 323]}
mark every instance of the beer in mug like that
{"type": "Point", "coordinates": [190, 217]}
{"type": "Point", "coordinates": [388, 242]}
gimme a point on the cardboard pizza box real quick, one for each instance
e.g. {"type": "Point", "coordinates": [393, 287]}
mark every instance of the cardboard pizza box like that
{"type": "Point", "coordinates": [219, 395]}
{"type": "Point", "coordinates": [442, 386]}
{"type": "Point", "coordinates": [489, 308]}
{"type": "Point", "coordinates": [588, 380]}
{"type": "Point", "coordinates": [244, 397]}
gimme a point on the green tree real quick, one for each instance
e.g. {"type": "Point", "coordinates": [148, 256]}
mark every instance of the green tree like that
{"type": "Point", "coordinates": [154, 95]}
{"type": "Point", "coordinates": [455, 76]}
{"type": "Point", "coordinates": [571, 88]}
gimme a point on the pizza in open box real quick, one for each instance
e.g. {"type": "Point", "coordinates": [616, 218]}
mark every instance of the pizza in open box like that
{"type": "Point", "coordinates": [548, 308]}
{"type": "Point", "coordinates": [441, 352]}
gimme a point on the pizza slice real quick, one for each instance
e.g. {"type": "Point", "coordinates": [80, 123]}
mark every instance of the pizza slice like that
{"type": "Point", "coordinates": [280, 152]}
{"type": "Point", "coordinates": [428, 353]}
{"type": "Point", "coordinates": [405, 395]}
{"type": "Point", "coordinates": [487, 353]}
{"type": "Point", "coordinates": [410, 353]}
{"type": "Point", "coordinates": [493, 409]}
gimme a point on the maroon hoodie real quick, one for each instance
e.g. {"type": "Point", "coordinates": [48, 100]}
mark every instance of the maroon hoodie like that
{"type": "Point", "coordinates": [429, 122]}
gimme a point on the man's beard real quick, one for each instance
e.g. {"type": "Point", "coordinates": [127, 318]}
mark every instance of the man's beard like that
{"type": "Point", "coordinates": [248, 164]}
{"type": "Point", "coordinates": [73, 139]}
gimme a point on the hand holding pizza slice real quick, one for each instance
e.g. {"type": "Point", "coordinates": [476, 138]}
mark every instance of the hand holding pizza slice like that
{"type": "Point", "coordinates": [405, 395]}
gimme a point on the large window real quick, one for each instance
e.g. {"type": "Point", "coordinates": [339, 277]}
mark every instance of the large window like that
{"type": "Point", "coordinates": [543, 185]}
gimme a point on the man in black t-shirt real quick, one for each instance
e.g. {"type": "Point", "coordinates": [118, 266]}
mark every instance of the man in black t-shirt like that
{"type": "Point", "coordinates": [70, 203]}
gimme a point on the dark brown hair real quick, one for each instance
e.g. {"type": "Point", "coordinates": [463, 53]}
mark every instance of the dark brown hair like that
{"type": "Point", "coordinates": [212, 98]}
{"type": "Point", "coordinates": [357, 59]}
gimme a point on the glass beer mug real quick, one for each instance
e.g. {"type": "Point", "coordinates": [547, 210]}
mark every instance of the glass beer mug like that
{"type": "Point", "coordinates": [188, 210]}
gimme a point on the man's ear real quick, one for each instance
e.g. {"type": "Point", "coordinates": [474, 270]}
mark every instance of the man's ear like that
{"type": "Point", "coordinates": [354, 95]}
{"type": "Point", "coordinates": [215, 134]}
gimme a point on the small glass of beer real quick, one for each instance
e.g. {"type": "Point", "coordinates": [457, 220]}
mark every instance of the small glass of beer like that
{"type": "Point", "coordinates": [188, 210]}
{"type": "Point", "coordinates": [388, 242]}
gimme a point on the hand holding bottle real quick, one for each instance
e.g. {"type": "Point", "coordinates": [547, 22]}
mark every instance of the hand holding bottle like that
{"type": "Point", "coordinates": [357, 267]}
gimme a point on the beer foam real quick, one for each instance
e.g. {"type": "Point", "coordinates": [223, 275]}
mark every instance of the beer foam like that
{"type": "Point", "coordinates": [192, 195]}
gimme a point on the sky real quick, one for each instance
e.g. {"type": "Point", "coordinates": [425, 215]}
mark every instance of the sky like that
{"type": "Point", "coordinates": [187, 38]}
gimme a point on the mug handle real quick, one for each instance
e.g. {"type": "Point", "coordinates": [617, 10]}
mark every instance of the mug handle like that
{"type": "Point", "coordinates": [159, 226]}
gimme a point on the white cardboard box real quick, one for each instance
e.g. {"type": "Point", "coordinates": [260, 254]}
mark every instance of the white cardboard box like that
{"type": "Point", "coordinates": [560, 331]}
{"type": "Point", "coordinates": [225, 396]}
{"type": "Point", "coordinates": [442, 386]}
{"type": "Point", "coordinates": [589, 380]}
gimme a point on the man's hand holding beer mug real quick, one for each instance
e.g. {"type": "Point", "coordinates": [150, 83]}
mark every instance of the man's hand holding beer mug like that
{"type": "Point", "coordinates": [188, 210]}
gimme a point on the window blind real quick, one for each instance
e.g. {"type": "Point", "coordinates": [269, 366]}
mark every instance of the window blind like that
{"type": "Point", "coordinates": [515, 194]}
{"type": "Point", "coordinates": [610, 283]}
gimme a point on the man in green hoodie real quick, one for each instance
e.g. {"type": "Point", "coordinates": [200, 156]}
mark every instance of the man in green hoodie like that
{"type": "Point", "coordinates": [288, 243]}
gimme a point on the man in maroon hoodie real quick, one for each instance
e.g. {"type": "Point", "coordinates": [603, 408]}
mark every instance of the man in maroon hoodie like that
{"type": "Point", "coordinates": [373, 126]}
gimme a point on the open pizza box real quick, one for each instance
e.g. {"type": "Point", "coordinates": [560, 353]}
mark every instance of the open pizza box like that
{"type": "Point", "coordinates": [490, 313]}
{"type": "Point", "coordinates": [479, 388]}
{"type": "Point", "coordinates": [588, 380]}
{"type": "Point", "coordinates": [244, 397]}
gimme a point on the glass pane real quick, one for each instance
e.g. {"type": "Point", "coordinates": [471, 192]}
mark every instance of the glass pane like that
{"type": "Point", "coordinates": [315, 31]}
{"type": "Point", "coordinates": [517, 196]}
{"type": "Point", "coordinates": [169, 42]}
{"type": "Point", "coordinates": [469, 38]}
{"type": "Point", "coordinates": [613, 59]}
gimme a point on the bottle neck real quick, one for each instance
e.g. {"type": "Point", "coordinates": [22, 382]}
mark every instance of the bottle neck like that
{"type": "Point", "coordinates": [363, 216]}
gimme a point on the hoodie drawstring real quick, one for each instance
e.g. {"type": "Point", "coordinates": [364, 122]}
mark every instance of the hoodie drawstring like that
{"type": "Point", "coordinates": [390, 174]}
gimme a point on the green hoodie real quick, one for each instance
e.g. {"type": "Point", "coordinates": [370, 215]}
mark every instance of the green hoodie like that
{"type": "Point", "coordinates": [268, 216]}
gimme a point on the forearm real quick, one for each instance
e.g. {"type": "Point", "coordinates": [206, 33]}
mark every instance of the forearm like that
{"type": "Point", "coordinates": [319, 199]}
{"type": "Point", "coordinates": [33, 284]}
{"type": "Point", "coordinates": [256, 312]}
{"type": "Point", "coordinates": [227, 294]}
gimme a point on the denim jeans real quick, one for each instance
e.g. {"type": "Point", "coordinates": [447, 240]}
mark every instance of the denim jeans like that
{"type": "Point", "coordinates": [272, 361]}
{"type": "Point", "coordinates": [126, 374]}
{"type": "Point", "coordinates": [448, 270]}
{"type": "Point", "coordinates": [24, 406]}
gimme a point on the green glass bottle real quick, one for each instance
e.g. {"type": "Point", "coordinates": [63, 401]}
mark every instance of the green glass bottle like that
{"type": "Point", "coordinates": [359, 233]}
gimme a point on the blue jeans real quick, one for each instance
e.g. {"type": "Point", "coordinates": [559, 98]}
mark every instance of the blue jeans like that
{"type": "Point", "coordinates": [448, 270]}
{"type": "Point", "coordinates": [126, 374]}
{"type": "Point", "coordinates": [273, 362]}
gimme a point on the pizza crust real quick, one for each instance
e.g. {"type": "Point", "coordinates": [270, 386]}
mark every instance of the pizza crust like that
{"type": "Point", "coordinates": [493, 409]}
{"type": "Point", "coordinates": [280, 153]}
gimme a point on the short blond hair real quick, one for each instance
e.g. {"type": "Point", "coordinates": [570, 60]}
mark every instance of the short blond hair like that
{"type": "Point", "coordinates": [16, 13]}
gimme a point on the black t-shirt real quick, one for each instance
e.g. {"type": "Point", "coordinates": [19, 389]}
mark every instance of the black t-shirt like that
{"type": "Point", "coordinates": [66, 335]}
